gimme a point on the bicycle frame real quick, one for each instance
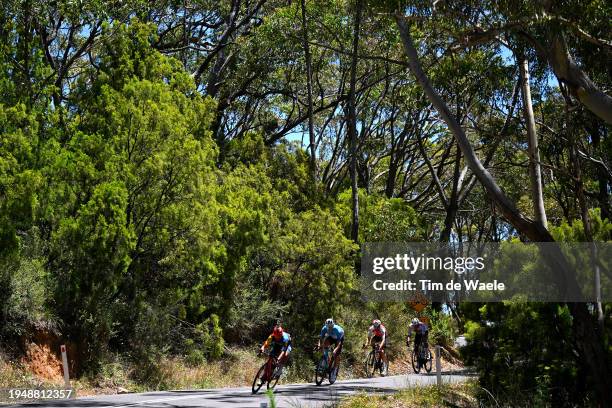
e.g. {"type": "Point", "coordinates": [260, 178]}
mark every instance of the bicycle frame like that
{"type": "Point", "coordinates": [270, 365]}
{"type": "Point", "coordinates": [377, 357]}
{"type": "Point", "coordinates": [328, 352]}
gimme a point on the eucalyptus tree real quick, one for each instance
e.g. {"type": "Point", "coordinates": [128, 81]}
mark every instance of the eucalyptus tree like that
{"type": "Point", "coordinates": [589, 340]}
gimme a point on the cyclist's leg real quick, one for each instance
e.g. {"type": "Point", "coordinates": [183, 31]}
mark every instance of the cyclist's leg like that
{"type": "Point", "coordinates": [338, 343]}
{"type": "Point", "coordinates": [285, 356]}
{"type": "Point", "coordinates": [383, 347]}
{"type": "Point", "coordinates": [275, 352]}
{"type": "Point", "coordinates": [326, 346]}
{"type": "Point", "coordinates": [377, 341]}
{"type": "Point", "coordinates": [418, 337]}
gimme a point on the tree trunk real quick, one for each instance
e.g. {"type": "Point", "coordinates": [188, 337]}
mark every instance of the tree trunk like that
{"type": "Point", "coordinates": [602, 178]}
{"type": "Point", "coordinates": [581, 86]}
{"type": "Point", "coordinates": [453, 202]}
{"type": "Point", "coordinates": [584, 215]}
{"type": "Point", "coordinates": [352, 126]}
{"type": "Point", "coordinates": [590, 346]}
{"type": "Point", "coordinates": [533, 230]}
{"type": "Point", "coordinates": [535, 174]}
{"type": "Point", "coordinates": [311, 136]}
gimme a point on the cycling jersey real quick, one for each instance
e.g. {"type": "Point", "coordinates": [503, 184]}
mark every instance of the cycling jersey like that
{"type": "Point", "coordinates": [420, 328]}
{"type": "Point", "coordinates": [377, 331]}
{"type": "Point", "coordinates": [336, 333]}
{"type": "Point", "coordinates": [282, 344]}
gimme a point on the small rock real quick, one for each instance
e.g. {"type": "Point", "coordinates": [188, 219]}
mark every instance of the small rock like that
{"type": "Point", "coordinates": [121, 390]}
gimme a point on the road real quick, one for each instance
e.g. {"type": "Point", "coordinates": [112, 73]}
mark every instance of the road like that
{"type": "Point", "coordinates": [287, 395]}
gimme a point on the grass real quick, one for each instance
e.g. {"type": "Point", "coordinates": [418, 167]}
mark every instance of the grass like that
{"type": "Point", "coordinates": [450, 395]}
{"type": "Point", "coordinates": [16, 375]}
{"type": "Point", "coordinates": [236, 369]}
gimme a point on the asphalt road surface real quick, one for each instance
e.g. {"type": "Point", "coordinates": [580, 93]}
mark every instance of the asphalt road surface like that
{"type": "Point", "coordinates": [287, 395]}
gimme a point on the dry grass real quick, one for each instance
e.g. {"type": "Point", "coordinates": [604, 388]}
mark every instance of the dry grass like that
{"type": "Point", "coordinates": [455, 395]}
{"type": "Point", "coordinates": [237, 368]}
{"type": "Point", "coordinates": [16, 375]}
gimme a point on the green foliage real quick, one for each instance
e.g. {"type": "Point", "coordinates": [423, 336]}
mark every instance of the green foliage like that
{"type": "Point", "coordinates": [574, 232]}
{"type": "Point", "coordinates": [519, 346]}
{"type": "Point", "coordinates": [138, 215]}
{"type": "Point", "coordinates": [381, 219]}
{"type": "Point", "coordinates": [24, 300]}
{"type": "Point", "coordinates": [443, 328]}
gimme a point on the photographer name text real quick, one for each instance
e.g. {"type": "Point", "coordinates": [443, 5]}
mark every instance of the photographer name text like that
{"type": "Point", "coordinates": [428, 285]}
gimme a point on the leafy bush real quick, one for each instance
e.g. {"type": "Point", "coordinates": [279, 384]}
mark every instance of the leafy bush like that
{"type": "Point", "coordinates": [443, 328]}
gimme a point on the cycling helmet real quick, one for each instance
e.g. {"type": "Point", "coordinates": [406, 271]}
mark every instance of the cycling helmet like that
{"type": "Point", "coordinates": [376, 323]}
{"type": "Point", "coordinates": [277, 332]}
{"type": "Point", "coordinates": [329, 322]}
{"type": "Point", "coordinates": [415, 321]}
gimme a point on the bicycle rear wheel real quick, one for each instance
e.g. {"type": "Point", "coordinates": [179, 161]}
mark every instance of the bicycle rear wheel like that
{"type": "Point", "coordinates": [273, 381]}
{"type": "Point", "coordinates": [258, 381]}
{"type": "Point", "coordinates": [384, 368]}
{"type": "Point", "coordinates": [428, 362]}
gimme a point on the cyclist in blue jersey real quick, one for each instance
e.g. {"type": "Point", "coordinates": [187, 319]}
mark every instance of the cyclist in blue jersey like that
{"type": "Point", "coordinates": [332, 335]}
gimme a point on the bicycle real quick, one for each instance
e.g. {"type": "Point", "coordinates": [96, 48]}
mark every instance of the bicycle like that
{"type": "Point", "coordinates": [421, 358]}
{"type": "Point", "coordinates": [325, 367]}
{"type": "Point", "coordinates": [375, 362]}
{"type": "Point", "coordinates": [269, 373]}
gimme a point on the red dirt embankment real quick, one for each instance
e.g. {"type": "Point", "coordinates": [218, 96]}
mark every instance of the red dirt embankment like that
{"type": "Point", "coordinates": [42, 357]}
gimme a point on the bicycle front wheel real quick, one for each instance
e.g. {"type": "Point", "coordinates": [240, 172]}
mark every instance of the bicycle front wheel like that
{"type": "Point", "coordinates": [416, 366]}
{"type": "Point", "coordinates": [333, 372]}
{"type": "Point", "coordinates": [370, 364]}
{"type": "Point", "coordinates": [320, 371]}
{"type": "Point", "coordinates": [258, 381]}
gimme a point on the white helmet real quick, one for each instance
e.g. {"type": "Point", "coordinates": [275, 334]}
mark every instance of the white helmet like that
{"type": "Point", "coordinates": [329, 322]}
{"type": "Point", "coordinates": [416, 321]}
{"type": "Point", "coordinates": [376, 323]}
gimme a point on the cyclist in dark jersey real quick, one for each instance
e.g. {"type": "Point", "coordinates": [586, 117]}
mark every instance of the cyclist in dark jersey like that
{"type": "Point", "coordinates": [421, 333]}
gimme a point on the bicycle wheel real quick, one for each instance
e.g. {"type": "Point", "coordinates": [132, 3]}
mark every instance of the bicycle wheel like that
{"type": "Point", "coordinates": [258, 381]}
{"type": "Point", "coordinates": [383, 368]}
{"type": "Point", "coordinates": [428, 362]}
{"type": "Point", "coordinates": [273, 381]}
{"type": "Point", "coordinates": [320, 371]}
{"type": "Point", "coordinates": [333, 372]}
{"type": "Point", "coordinates": [370, 364]}
{"type": "Point", "coordinates": [416, 366]}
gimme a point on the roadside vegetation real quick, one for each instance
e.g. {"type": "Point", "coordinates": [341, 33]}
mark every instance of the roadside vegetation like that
{"type": "Point", "coordinates": [176, 177]}
{"type": "Point", "coordinates": [456, 395]}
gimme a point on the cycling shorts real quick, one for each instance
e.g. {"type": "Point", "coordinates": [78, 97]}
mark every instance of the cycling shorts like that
{"type": "Point", "coordinates": [332, 342]}
{"type": "Point", "coordinates": [378, 339]}
{"type": "Point", "coordinates": [277, 349]}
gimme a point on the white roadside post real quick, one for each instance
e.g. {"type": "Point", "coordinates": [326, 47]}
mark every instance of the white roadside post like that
{"type": "Point", "coordinates": [65, 365]}
{"type": "Point", "coordinates": [438, 367]}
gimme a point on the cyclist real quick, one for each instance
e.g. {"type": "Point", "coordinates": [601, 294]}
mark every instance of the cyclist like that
{"type": "Point", "coordinates": [377, 333]}
{"type": "Point", "coordinates": [332, 334]}
{"type": "Point", "coordinates": [280, 343]}
{"type": "Point", "coordinates": [421, 333]}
